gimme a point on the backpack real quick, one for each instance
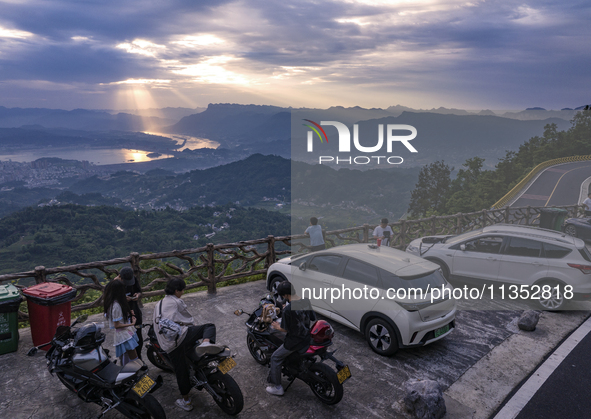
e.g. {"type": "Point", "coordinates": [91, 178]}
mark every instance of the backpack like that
{"type": "Point", "coordinates": [167, 328]}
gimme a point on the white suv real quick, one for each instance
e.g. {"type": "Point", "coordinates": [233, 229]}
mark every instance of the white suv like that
{"type": "Point", "coordinates": [514, 255]}
{"type": "Point", "coordinates": [387, 320]}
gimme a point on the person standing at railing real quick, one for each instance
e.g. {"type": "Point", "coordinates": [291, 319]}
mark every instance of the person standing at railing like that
{"type": "Point", "coordinates": [315, 233]}
{"type": "Point", "coordinates": [383, 232]}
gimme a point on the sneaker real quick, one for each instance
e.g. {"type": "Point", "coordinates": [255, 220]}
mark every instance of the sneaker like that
{"type": "Point", "coordinates": [275, 390]}
{"type": "Point", "coordinates": [185, 405]}
{"type": "Point", "coordinates": [208, 348]}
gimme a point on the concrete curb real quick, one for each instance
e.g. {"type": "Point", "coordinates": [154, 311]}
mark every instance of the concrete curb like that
{"type": "Point", "coordinates": [482, 388]}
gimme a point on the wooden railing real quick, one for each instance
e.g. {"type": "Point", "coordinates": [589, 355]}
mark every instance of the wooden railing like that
{"type": "Point", "coordinates": [212, 264]}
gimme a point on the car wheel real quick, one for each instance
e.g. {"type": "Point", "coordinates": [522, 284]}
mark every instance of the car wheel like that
{"type": "Point", "coordinates": [554, 299]}
{"type": "Point", "coordinates": [571, 230]}
{"type": "Point", "coordinates": [276, 280]}
{"type": "Point", "coordinates": [381, 337]}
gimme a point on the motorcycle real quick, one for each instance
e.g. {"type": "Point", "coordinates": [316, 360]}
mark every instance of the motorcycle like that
{"type": "Point", "coordinates": [307, 365]}
{"type": "Point", "coordinates": [209, 372]}
{"type": "Point", "coordinates": [84, 367]}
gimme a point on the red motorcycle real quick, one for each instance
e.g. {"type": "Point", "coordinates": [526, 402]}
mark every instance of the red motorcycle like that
{"type": "Point", "coordinates": [308, 365]}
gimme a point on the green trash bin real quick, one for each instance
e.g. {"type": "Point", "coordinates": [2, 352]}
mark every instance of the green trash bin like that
{"type": "Point", "coordinates": [10, 299]}
{"type": "Point", "coordinates": [552, 218]}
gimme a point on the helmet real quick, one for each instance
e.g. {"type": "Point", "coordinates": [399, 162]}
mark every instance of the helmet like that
{"type": "Point", "coordinates": [89, 337]}
{"type": "Point", "coordinates": [322, 332]}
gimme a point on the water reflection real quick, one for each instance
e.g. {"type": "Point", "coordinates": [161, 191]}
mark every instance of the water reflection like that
{"type": "Point", "coordinates": [96, 156]}
{"type": "Point", "coordinates": [186, 141]}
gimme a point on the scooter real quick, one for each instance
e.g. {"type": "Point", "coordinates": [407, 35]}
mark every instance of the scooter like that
{"type": "Point", "coordinates": [84, 367]}
{"type": "Point", "coordinates": [209, 372]}
{"type": "Point", "coordinates": [309, 364]}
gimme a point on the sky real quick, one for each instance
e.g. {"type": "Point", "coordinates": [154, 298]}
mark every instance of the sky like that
{"type": "Point", "coordinates": [113, 54]}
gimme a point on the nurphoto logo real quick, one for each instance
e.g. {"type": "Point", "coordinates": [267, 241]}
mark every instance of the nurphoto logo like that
{"type": "Point", "coordinates": [345, 142]}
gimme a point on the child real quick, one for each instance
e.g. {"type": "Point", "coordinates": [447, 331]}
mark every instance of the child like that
{"type": "Point", "coordinates": [121, 319]}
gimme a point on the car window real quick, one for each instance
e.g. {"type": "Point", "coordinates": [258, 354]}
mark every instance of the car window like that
{"type": "Point", "coordinates": [585, 253]}
{"type": "Point", "coordinates": [555, 252]}
{"type": "Point", "coordinates": [300, 261]}
{"type": "Point", "coordinates": [524, 247]}
{"type": "Point", "coordinates": [432, 280]}
{"type": "Point", "coordinates": [487, 244]}
{"type": "Point", "coordinates": [326, 264]}
{"type": "Point", "coordinates": [361, 272]}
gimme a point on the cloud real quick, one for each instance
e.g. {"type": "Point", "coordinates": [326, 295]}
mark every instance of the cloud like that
{"type": "Point", "coordinates": [448, 52]}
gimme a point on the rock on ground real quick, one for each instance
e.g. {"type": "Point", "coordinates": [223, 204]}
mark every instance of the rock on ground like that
{"type": "Point", "coordinates": [529, 320]}
{"type": "Point", "coordinates": [424, 399]}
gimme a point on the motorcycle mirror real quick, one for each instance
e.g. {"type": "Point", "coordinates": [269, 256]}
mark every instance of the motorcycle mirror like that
{"type": "Point", "coordinates": [239, 312]}
{"type": "Point", "coordinates": [82, 318]}
{"type": "Point", "coordinates": [32, 351]}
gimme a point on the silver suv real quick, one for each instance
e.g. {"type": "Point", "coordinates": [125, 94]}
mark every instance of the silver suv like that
{"type": "Point", "coordinates": [514, 255]}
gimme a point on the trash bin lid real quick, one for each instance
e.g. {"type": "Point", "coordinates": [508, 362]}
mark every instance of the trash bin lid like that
{"type": "Point", "coordinates": [8, 292]}
{"type": "Point", "coordinates": [47, 290]}
{"type": "Point", "coordinates": [553, 210]}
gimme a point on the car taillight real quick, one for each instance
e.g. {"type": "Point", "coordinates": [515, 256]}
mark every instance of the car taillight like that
{"type": "Point", "coordinates": [586, 269]}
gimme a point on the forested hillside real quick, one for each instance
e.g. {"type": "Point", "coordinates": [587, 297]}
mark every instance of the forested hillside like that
{"type": "Point", "coordinates": [71, 234]}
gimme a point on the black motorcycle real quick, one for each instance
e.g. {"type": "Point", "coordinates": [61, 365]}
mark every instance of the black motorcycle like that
{"type": "Point", "coordinates": [307, 365]}
{"type": "Point", "coordinates": [209, 372]}
{"type": "Point", "coordinates": [83, 366]}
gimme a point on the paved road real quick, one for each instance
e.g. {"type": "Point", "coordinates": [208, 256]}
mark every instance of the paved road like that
{"type": "Point", "coordinates": [557, 185]}
{"type": "Point", "coordinates": [566, 392]}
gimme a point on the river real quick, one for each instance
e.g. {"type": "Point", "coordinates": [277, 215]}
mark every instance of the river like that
{"type": "Point", "coordinates": [103, 156]}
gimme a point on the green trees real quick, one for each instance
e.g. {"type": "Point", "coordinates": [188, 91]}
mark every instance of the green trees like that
{"type": "Point", "coordinates": [429, 195]}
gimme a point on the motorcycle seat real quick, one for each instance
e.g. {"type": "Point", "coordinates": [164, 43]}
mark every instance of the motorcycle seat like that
{"type": "Point", "coordinates": [110, 372]}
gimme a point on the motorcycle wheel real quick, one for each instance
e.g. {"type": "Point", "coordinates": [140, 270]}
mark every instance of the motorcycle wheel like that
{"type": "Point", "coordinates": [325, 384]}
{"type": "Point", "coordinates": [156, 360]}
{"type": "Point", "coordinates": [224, 385]}
{"type": "Point", "coordinates": [151, 406]}
{"type": "Point", "coordinates": [255, 350]}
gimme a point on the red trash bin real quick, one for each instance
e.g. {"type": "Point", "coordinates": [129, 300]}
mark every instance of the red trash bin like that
{"type": "Point", "coordinates": [49, 307]}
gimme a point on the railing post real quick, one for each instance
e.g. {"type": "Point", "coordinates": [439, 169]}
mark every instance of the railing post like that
{"type": "Point", "coordinates": [433, 228]}
{"type": "Point", "coordinates": [40, 274]}
{"type": "Point", "coordinates": [402, 237]}
{"type": "Point", "coordinates": [506, 216]}
{"type": "Point", "coordinates": [271, 257]}
{"type": "Point", "coordinates": [211, 286]}
{"type": "Point", "coordinates": [527, 212]}
{"type": "Point", "coordinates": [459, 223]}
{"type": "Point", "coordinates": [484, 217]}
{"type": "Point", "coordinates": [365, 233]}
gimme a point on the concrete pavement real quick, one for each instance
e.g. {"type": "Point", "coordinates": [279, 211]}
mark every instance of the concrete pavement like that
{"type": "Point", "coordinates": [478, 364]}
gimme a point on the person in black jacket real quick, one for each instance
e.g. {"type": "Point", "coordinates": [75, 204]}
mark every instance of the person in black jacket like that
{"type": "Point", "coordinates": [296, 325]}
{"type": "Point", "coordinates": [133, 292]}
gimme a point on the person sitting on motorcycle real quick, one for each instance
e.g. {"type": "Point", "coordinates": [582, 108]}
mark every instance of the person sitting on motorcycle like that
{"type": "Point", "coordinates": [296, 325]}
{"type": "Point", "coordinates": [175, 309]}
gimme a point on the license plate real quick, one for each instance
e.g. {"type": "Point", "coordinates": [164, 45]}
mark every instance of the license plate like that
{"type": "Point", "coordinates": [226, 365]}
{"type": "Point", "coordinates": [143, 386]}
{"type": "Point", "coordinates": [441, 330]}
{"type": "Point", "coordinates": [344, 374]}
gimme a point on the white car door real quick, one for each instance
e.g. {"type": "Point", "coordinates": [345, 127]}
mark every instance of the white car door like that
{"type": "Point", "coordinates": [479, 261]}
{"type": "Point", "coordinates": [315, 278]}
{"type": "Point", "coordinates": [522, 262]}
{"type": "Point", "coordinates": [354, 286]}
